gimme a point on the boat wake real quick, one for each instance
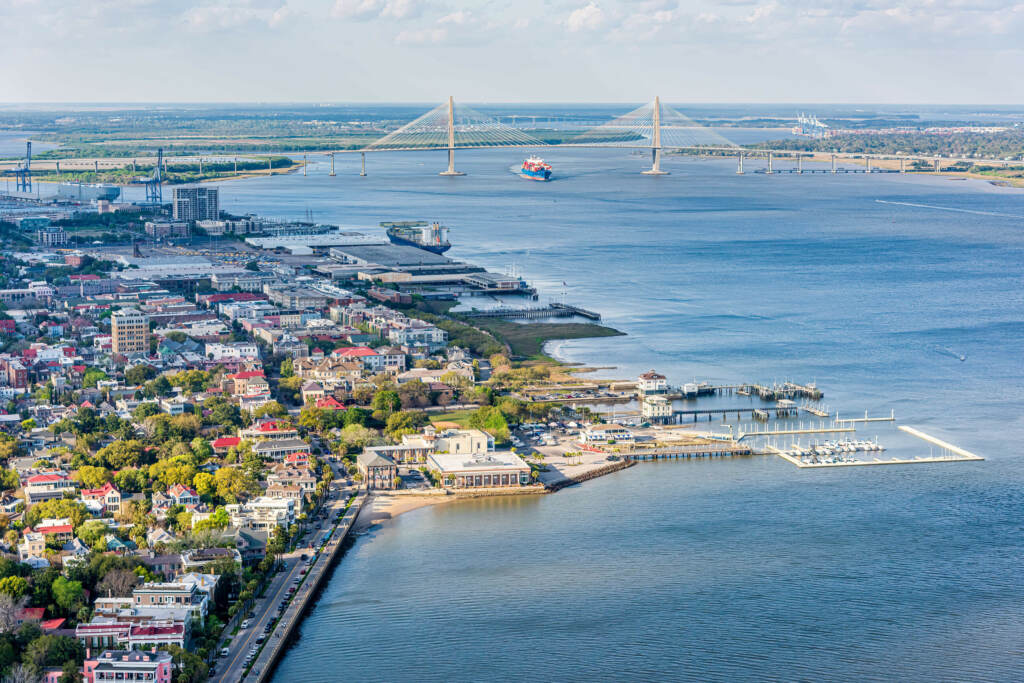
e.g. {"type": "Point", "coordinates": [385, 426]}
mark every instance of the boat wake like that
{"type": "Point", "coordinates": [946, 351]}
{"type": "Point", "coordinates": [950, 208]}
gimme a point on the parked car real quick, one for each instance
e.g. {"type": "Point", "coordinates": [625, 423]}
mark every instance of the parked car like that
{"type": "Point", "coordinates": [224, 652]}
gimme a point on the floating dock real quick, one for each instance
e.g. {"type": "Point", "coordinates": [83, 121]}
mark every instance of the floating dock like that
{"type": "Point", "coordinates": [964, 454]}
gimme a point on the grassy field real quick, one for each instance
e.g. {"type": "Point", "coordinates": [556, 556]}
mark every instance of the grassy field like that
{"type": "Point", "coordinates": [528, 339]}
{"type": "Point", "coordinates": [460, 417]}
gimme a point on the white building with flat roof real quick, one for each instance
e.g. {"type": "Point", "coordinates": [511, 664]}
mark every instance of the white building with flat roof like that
{"type": "Point", "coordinates": [499, 469]}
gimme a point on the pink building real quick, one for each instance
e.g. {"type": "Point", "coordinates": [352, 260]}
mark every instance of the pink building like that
{"type": "Point", "coordinates": [128, 665]}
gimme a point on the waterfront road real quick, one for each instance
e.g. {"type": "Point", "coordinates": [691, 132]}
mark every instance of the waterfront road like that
{"type": "Point", "coordinates": [231, 666]}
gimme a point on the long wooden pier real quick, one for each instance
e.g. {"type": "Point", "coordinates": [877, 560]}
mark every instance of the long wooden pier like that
{"type": "Point", "coordinates": [891, 418]}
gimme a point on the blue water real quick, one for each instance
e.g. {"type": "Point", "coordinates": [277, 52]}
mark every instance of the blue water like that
{"type": "Point", "coordinates": [747, 569]}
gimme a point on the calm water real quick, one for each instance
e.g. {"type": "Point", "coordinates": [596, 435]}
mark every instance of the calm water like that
{"type": "Point", "coordinates": [735, 570]}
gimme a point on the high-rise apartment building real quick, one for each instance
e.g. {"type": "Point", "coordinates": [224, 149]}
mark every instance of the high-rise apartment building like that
{"type": "Point", "coordinates": [130, 331]}
{"type": "Point", "coordinates": [196, 204]}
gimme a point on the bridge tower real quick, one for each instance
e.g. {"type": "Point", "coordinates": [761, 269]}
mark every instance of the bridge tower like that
{"type": "Point", "coordinates": [362, 170]}
{"type": "Point", "coordinates": [739, 163]}
{"type": "Point", "coordinates": [23, 174]}
{"type": "Point", "coordinates": [451, 139]}
{"type": "Point", "coordinates": [154, 185]}
{"type": "Point", "coordinates": [656, 141]}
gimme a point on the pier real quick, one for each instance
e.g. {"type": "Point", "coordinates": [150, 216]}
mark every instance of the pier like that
{"type": "Point", "coordinates": [554, 310]}
{"type": "Point", "coordinates": [708, 450]}
{"type": "Point", "coordinates": [964, 454]}
{"type": "Point", "coordinates": [891, 418]}
{"type": "Point", "coordinates": [798, 429]}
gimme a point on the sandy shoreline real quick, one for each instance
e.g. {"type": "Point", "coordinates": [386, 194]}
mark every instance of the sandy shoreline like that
{"type": "Point", "coordinates": [382, 508]}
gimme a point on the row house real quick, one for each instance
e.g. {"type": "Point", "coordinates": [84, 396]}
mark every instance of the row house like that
{"type": "Point", "coordinates": [283, 475]}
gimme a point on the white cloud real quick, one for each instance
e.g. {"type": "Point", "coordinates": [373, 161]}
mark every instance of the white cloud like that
{"type": "Point", "coordinates": [587, 18]}
{"type": "Point", "coordinates": [233, 14]}
{"type": "Point", "coordinates": [460, 18]}
{"type": "Point", "coordinates": [362, 10]}
{"type": "Point", "coordinates": [357, 9]}
{"type": "Point", "coordinates": [422, 37]}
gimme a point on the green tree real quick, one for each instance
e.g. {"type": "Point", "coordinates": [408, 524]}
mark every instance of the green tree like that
{"type": "Point", "coordinates": [92, 477]}
{"type": "Point", "coordinates": [139, 374]}
{"type": "Point", "coordinates": [68, 595]}
{"type": "Point", "coordinates": [386, 401]}
{"type": "Point", "coordinates": [203, 483]}
{"type": "Point", "coordinates": [144, 410]}
{"type": "Point", "coordinates": [93, 533]}
{"type": "Point", "coordinates": [92, 377]}
{"type": "Point", "coordinates": [271, 409]}
{"type": "Point", "coordinates": [121, 454]}
{"type": "Point", "coordinates": [131, 480]}
{"type": "Point", "coordinates": [287, 367]}
{"type": "Point", "coordinates": [56, 508]}
{"type": "Point", "coordinates": [405, 422]}
{"type": "Point", "coordinates": [15, 586]}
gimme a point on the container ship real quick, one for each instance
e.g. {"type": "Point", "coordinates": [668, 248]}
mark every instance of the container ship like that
{"type": "Point", "coordinates": [536, 168]}
{"type": "Point", "coordinates": [87, 192]}
{"type": "Point", "coordinates": [431, 237]}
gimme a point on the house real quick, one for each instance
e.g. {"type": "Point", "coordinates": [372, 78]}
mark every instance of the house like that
{"type": "Point", "coordinates": [292, 476]}
{"type": "Point", "coordinates": [116, 632]}
{"type": "Point", "coordinates": [222, 444]}
{"type": "Point", "coordinates": [605, 433]}
{"type": "Point", "coordinates": [59, 529]}
{"type": "Point", "coordinates": [312, 392]}
{"type": "Point", "coordinates": [329, 403]}
{"type": "Point", "coordinates": [108, 495]}
{"type": "Point", "coordinates": [378, 470]}
{"type": "Point", "coordinates": [277, 449]}
{"type": "Point", "coordinates": [32, 545]}
{"type": "Point", "coordinates": [179, 494]}
{"type": "Point", "coordinates": [652, 383]}
{"type": "Point", "coordinates": [246, 383]}
{"type": "Point", "coordinates": [297, 459]}
{"type": "Point", "coordinates": [172, 596]}
{"type": "Point", "coordinates": [262, 513]}
{"type": "Point", "coordinates": [47, 486]}
{"type": "Point", "coordinates": [129, 665]}
{"type": "Point", "coordinates": [284, 491]}
{"type": "Point", "coordinates": [197, 559]}
{"type": "Point", "coordinates": [491, 470]}
{"type": "Point", "coordinates": [168, 565]}
{"type": "Point", "coordinates": [270, 429]}
{"type": "Point", "coordinates": [158, 535]}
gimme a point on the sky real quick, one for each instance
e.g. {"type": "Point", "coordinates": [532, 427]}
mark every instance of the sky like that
{"type": "Point", "coordinates": [850, 51]}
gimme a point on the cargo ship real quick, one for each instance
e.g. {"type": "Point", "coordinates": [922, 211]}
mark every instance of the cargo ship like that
{"type": "Point", "coordinates": [431, 237]}
{"type": "Point", "coordinates": [536, 168]}
{"type": "Point", "coordinates": [87, 192]}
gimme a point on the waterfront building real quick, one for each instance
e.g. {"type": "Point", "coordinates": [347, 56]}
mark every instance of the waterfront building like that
{"type": "Point", "coordinates": [197, 203]}
{"type": "Point", "coordinates": [605, 433]}
{"type": "Point", "coordinates": [378, 470]}
{"type": "Point", "coordinates": [656, 408]}
{"type": "Point", "coordinates": [130, 331]}
{"type": "Point", "coordinates": [652, 383]}
{"type": "Point", "coordinates": [129, 665]}
{"type": "Point", "coordinates": [492, 470]}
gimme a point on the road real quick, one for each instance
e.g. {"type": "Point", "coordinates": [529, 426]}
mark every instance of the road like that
{"type": "Point", "coordinates": [231, 667]}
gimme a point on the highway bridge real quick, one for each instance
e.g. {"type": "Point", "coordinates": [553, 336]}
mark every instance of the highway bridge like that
{"type": "Point", "coordinates": [448, 128]}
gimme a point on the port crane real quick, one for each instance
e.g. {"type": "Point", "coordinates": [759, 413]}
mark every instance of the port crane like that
{"type": "Point", "coordinates": [154, 183]}
{"type": "Point", "coordinates": [23, 171]}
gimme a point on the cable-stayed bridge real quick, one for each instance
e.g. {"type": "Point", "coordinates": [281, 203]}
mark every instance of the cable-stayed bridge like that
{"type": "Point", "coordinates": [451, 126]}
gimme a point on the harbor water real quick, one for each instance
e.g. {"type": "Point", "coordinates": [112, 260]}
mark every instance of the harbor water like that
{"type": "Point", "coordinates": [891, 292]}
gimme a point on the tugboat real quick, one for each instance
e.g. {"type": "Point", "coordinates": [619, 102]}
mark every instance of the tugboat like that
{"type": "Point", "coordinates": [431, 237]}
{"type": "Point", "coordinates": [536, 168]}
